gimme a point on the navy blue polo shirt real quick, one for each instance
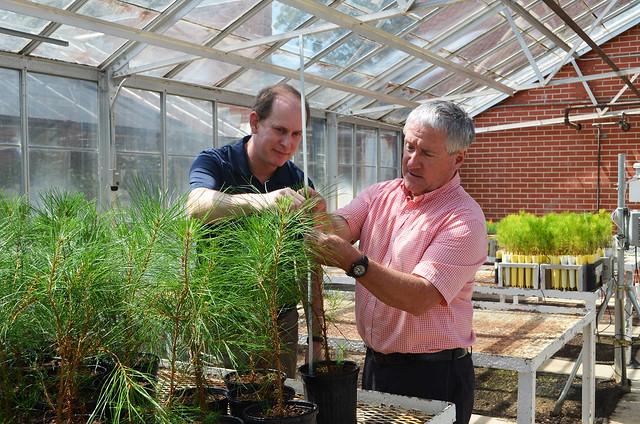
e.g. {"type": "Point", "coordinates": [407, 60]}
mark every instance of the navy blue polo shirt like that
{"type": "Point", "coordinates": [226, 169]}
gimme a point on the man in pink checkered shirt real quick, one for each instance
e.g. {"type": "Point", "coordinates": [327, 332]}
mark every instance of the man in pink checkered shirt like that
{"type": "Point", "coordinates": [421, 240]}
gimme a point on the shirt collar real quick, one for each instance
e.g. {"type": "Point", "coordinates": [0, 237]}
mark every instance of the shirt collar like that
{"type": "Point", "coordinates": [450, 185]}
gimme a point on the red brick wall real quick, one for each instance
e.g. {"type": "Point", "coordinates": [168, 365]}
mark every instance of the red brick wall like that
{"type": "Point", "coordinates": [549, 168]}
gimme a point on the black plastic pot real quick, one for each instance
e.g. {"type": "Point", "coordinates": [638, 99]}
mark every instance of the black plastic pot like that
{"type": "Point", "coordinates": [241, 398]}
{"type": "Point", "coordinates": [217, 400]}
{"type": "Point", "coordinates": [228, 419]}
{"type": "Point", "coordinates": [334, 388]}
{"type": "Point", "coordinates": [308, 412]}
{"type": "Point", "coordinates": [261, 379]}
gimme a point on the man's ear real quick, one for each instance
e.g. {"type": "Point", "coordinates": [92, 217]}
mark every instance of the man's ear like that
{"type": "Point", "coordinates": [460, 155]}
{"type": "Point", "coordinates": [253, 121]}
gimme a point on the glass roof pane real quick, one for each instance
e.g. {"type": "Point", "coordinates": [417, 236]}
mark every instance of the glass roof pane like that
{"type": "Point", "coordinates": [181, 30]}
{"type": "Point", "coordinates": [369, 6]}
{"type": "Point", "coordinates": [284, 59]}
{"type": "Point", "coordinates": [314, 43]}
{"type": "Point", "coordinates": [231, 40]}
{"type": "Point", "coordinates": [275, 19]}
{"type": "Point", "coordinates": [381, 61]}
{"type": "Point", "coordinates": [447, 16]}
{"type": "Point", "coordinates": [218, 14]}
{"type": "Point", "coordinates": [206, 72]}
{"type": "Point", "coordinates": [396, 24]}
{"type": "Point", "coordinates": [12, 44]}
{"type": "Point", "coordinates": [322, 70]}
{"type": "Point", "coordinates": [350, 51]}
{"type": "Point", "coordinates": [252, 81]}
{"type": "Point", "coordinates": [157, 5]}
{"type": "Point", "coordinates": [326, 97]}
{"type": "Point", "coordinates": [446, 86]}
{"type": "Point", "coordinates": [89, 47]}
{"type": "Point", "coordinates": [355, 79]}
{"type": "Point", "coordinates": [484, 44]}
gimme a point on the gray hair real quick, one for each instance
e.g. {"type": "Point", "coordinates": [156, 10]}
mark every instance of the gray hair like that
{"type": "Point", "coordinates": [447, 117]}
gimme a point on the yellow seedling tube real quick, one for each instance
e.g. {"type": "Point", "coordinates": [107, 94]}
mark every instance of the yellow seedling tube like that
{"type": "Point", "coordinates": [555, 273]}
{"type": "Point", "coordinates": [527, 271]}
{"type": "Point", "coordinates": [564, 277]}
{"type": "Point", "coordinates": [514, 271]}
{"type": "Point", "coordinates": [571, 260]}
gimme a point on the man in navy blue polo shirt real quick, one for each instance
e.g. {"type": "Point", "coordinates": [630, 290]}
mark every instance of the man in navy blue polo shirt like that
{"type": "Point", "coordinates": [252, 174]}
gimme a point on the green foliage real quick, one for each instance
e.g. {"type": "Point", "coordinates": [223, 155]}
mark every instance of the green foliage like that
{"type": "Point", "coordinates": [555, 233]}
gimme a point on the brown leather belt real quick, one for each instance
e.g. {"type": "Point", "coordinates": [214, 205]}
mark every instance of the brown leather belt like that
{"type": "Point", "coordinates": [404, 358]}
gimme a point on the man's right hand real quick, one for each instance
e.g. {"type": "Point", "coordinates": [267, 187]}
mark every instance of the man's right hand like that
{"type": "Point", "coordinates": [297, 198]}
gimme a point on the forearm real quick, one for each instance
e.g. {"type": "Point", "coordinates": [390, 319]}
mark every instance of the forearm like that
{"type": "Point", "coordinates": [210, 205]}
{"type": "Point", "coordinates": [400, 290]}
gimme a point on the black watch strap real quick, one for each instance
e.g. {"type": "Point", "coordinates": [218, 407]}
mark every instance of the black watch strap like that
{"type": "Point", "coordinates": [359, 268]}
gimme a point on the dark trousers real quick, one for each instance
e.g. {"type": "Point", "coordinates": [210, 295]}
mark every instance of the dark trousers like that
{"type": "Point", "coordinates": [450, 380]}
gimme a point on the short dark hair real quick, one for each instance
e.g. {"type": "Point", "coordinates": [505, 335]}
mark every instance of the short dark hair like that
{"type": "Point", "coordinates": [266, 96]}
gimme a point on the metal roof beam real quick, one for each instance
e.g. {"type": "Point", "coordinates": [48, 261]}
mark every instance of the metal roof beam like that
{"type": "Point", "coordinates": [36, 37]}
{"type": "Point", "coordinates": [575, 48]}
{"type": "Point", "coordinates": [121, 57]}
{"type": "Point", "coordinates": [380, 36]}
{"type": "Point", "coordinates": [50, 28]}
{"type": "Point", "coordinates": [490, 92]}
{"type": "Point", "coordinates": [126, 32]}
{"type": "Point", "coordinates": [534, 22]}
{"type": "Point", "coordinates": [555, 121]}
{"type": "Point", "coordinates": [592, 97]}
{"type": "Point", "coordinates": [523, 44]}
{"type": "Point", "coordinates": [596, 48]}
{"type": "Point", "coordinates": [591, 77]}
{"type": "Point", "coordinates": [261, 41]}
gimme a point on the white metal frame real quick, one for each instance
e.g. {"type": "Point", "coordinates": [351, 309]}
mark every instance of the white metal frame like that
{"type": "Point", "coordinates": [527, 368]}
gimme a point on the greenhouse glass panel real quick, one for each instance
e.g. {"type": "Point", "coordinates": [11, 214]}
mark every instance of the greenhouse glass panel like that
{"type": "Point", "coordinates": [73, 171]}
{"type": "Point", "coordinates": [137, 170]}
{"type": "Point", "coordinates": [137, 121]}
{"type": "Point", "coordinates": [11, 170]}
{"type": "Point", "coordinates": [389, 147]}
{"type": "Point", "coordinates": [314, 43]}
{"type": "Point", "coordinates": [233, 123]}
{"type": "Point", "coordinates": [157, 5]}
{"type": "Point", "coordinates": [396, 25]}
{"type": "Point", "coordinates": [366, 146]}
{"type": "Point", "coordinates": [446, 18]}
{"type": "Point", "coordinates": [10, 107]}
{"type": "Point", "coordinates": [178, 178]}
{"type": "Point", "coordinates": [316, 157]}
{"type": "Point", "coordinates": [345, 144]}
{"type": "Point", "coordinates": [368, 6]}
{"type": "Point", "coordinates": [350, 51]}
{"type": "Point", "coordinates": [251, 81]}
{"type": "Point", "coordinates": [345, 185]}
{"type": "Point", "coordinates": [218, 13]}
{"type": "Point", "coordinates": [90, 47]}
{"type": "Point", "coordinates": [189, 125]}
{"type": "Point", "coordinates": [206, 72]}
{"type": "Point", "coordinates": [12, 44]}
{"type": "Point", "coordinates": [325, 97]}
{"type": "Point", "coordinates": [285, 18]}
{"type": "Point", "coordinates": [365, 176]}
{"type": "Point", "coordinates": [387, 174]}
{"type": "Point", "coordinates": [284, 59]}
{"type": "Point", "coordinates": [322, 69]}
{"type": "Point", "coordinates": [62, 112]}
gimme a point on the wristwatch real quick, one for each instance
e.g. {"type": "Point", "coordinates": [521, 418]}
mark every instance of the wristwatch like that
{"type": "Point", "coordinates": [359, 268]}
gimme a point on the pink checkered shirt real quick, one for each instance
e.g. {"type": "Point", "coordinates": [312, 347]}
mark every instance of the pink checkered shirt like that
{"type": "Point", "coordinates": [439, 236]}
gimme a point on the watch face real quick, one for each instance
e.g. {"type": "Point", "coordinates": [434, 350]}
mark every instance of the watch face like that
{"type": "Point", "coordinates": [359, 270]}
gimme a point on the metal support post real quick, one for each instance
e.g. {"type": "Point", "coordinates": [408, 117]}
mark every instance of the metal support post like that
{"type": "Point", "coordinates": [620, 364]}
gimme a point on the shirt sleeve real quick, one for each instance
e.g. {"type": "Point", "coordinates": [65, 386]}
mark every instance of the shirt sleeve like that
{"type": "Point", "coordinates": [455, 254]}
{"type": "Point", "coordinates": [206, 172]}
{"type": "Point", "coordinates": [356, 212]}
